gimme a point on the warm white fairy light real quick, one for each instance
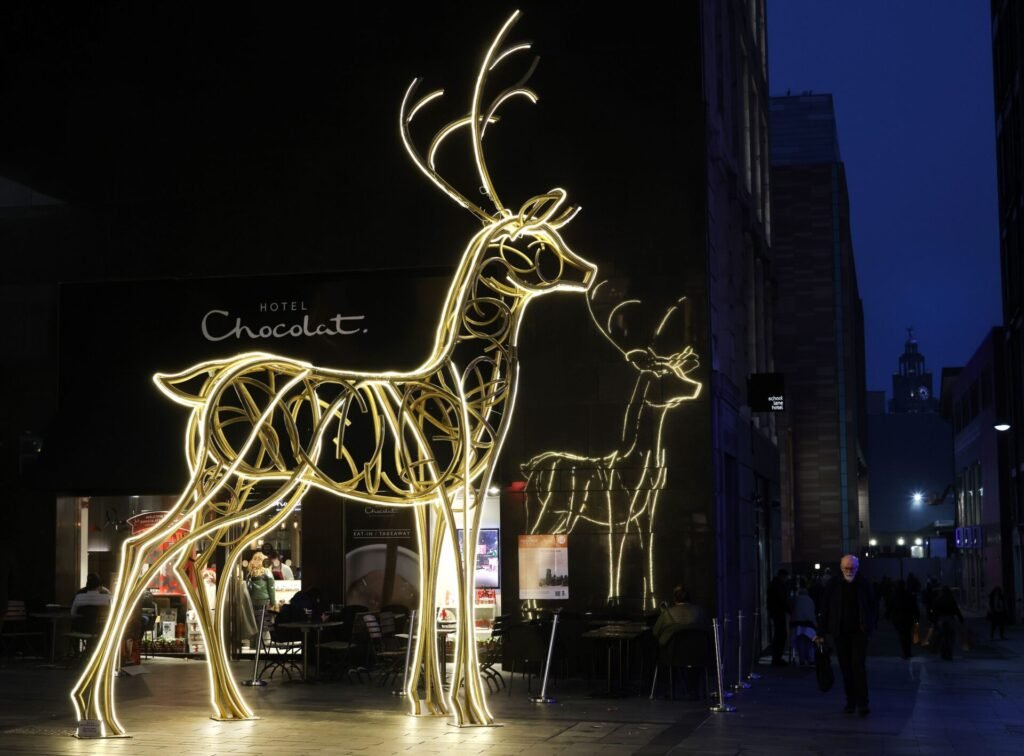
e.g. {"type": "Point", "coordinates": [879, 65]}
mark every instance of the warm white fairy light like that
{"type": "Point", "coordinates": [268, 392]}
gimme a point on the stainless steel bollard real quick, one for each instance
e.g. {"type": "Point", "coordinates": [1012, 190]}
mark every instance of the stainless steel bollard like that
{"type": "Point", "coordinates": [408, 647]}
{"type": "Point", "coordinates": [755, 646]}
{"type": "Point", "coordinates": [543, 697]}
{"type": "Point", "coordinates": [739, 684]}
{"type": "Point", "coordinates": [255, 682]}
{"type": "Point", "coordinates": [721, 706]}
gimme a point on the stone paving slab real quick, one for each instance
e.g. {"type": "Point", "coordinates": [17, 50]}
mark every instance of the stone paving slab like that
{"type": "Point", "coordinates": [919, 707]}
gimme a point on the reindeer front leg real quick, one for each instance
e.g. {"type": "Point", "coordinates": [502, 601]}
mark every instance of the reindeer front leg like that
{"type": "Point", "coordinates": [425, 660]}
{"type": "Point", "coordinates": [225, 696]}
{"type": "Point", "coordinates": [93, 693]}
{"type": "Point", "coordinates": [468, 699]}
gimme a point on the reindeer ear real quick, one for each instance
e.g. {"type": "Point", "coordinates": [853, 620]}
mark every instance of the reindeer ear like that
{"type": "Point", "coordinates": [542, 208]}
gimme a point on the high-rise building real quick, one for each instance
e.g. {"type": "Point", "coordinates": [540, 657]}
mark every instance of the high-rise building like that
{"type": "Point", "coordinates": [1008, 65]}
{"type": "Point", "coordinates": [818, 335]}
{"type": "Point", "coordinates": [984, 537]}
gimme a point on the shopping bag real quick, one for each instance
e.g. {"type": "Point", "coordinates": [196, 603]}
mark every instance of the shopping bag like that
{"type": "Point", "coordinates": [916, 637]}
{"type": "Point", "coordinates": [823, 668]}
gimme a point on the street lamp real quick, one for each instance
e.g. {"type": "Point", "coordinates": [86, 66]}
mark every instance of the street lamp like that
{"type": "Point", "coordinates": [1002, 426]}
{"type": "Point", "coordinates": [900, 541]}
{"type": "Point", "coordinates": [918, 542]}
{"type": "Point", "coordinates": [873, 542]}
{"type": "Point", "coordinates": [917, 498]}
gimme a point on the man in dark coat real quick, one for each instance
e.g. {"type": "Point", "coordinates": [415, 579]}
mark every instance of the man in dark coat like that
{"type": "Point", "coordinates": [847, 614]}
{"type": "Point", "coordinates": [778, 603]}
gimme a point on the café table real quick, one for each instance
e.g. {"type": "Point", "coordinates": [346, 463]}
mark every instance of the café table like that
{"type": "Point", "coordinates": [54, 614]}
{"type": "Point", "coordinates": [621, 635]}
{"type": "Point", "coordinates": [306, 627]}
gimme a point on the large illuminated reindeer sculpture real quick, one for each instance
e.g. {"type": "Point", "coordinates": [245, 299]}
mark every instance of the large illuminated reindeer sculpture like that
{"type": "Point", "coordinates": [264, 429]}
{"type": "Point", "coordinates": [619, 491]}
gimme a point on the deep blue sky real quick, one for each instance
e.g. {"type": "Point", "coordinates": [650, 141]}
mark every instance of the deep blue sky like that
{"type": "Point", "coordinates": [912, 85]}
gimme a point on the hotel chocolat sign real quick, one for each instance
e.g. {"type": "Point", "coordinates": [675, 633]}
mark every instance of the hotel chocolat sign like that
{"type": "Point", "coordinates": [117, 433]}
{"type": "Point", "coordinates": [219, 325]}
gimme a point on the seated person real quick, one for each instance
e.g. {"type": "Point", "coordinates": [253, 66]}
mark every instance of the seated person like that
{"type": "Point", "coordinates": [295, 610]}
{"type": "Point", "coordinates": [88, 604]}
{"type": "Point", "coordinates": [682, 614]}
{"type": "Point", "coordinates": [802, 623]}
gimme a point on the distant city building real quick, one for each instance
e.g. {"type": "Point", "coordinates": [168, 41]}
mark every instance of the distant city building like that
{"type": "Point", "coordinates": [911, 462]}
{"type": "Point", "coordinates": [819, 335]}
{"type": "Point", "coordinates": [1008, 64]}
{"type": "Point", "coordinates": [912, 383]}
{"type": "Point", "coordinates": [986, 540]}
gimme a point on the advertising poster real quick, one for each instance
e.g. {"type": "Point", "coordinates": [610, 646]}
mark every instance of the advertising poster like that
{"type": "Point", "coordinates": [381, 564]}
{"type": "Point", "coordinates": [543, 567]}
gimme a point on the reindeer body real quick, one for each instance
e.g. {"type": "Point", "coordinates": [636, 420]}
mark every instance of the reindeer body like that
{"type": "Point", "coordinates": [618, 492]}
{"type": "Point", "coordinates": [264, 429]}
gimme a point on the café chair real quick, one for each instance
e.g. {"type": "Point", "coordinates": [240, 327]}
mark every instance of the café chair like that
{"type": "Point", "coordinates": [689, 649]}
{"type": "Point", "coordinates": [85, 629]}
{"type": "Point", "coordinates": [282, 649]}
{"type": "Point", "coordinates": [386, 661]}
{"type": "Point", "coordinates": [490, 652]}
{"type": "Point", "coordinates": [525, 646]}
{"type": "Point", "coordinates": [15, 632]}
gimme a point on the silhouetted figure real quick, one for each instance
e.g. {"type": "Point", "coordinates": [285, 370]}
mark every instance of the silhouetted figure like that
{"type": "Point", "coordinates": [848, 616]}
{"type": "Point", "coordinates": [903, 612]}
{"type": "Point", "coordinates": [778, 603]}
{"type": "Point", "coordinates": [997, 613]}
{"type": "Point", "coordinates": [945, 610]}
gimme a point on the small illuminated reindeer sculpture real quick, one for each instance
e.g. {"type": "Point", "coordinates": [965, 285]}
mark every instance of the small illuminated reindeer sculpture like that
{"type": "Point", "coordinates": [264, 429]}
{"type": "Point", "coordinates": [617, 492]}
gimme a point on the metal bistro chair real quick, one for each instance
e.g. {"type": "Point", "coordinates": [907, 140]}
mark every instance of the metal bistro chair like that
{"type": "Point", "coordinates": [490, 652]}
{"type": "Point", "coordinates": [282, 649]}
{"type": "Point", "coordinates": [689, 649]}
{"type": "Point", "coordinates": [386, 661]}
{"type": "Point", "coordinates": [526, 645]}
{"type": "Point", "coordinates": [85, 629]}
{"type": "Point", "coordinates": [339, 654]}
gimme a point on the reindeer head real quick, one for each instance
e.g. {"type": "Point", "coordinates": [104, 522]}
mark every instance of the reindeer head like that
{"type": "Point", "coordinates": [671, 371]}
{"type": "Point", "coordinates": [524, 253]}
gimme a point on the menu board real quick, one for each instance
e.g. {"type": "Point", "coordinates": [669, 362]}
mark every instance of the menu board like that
{"type": "Point", "coordinates": [543, 567]}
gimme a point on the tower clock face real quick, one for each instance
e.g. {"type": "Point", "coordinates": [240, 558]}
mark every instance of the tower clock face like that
{"type": "Point", "coordinates": [922, 393]}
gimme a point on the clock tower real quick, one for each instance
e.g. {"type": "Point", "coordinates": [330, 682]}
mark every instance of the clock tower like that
{"type": "Point", "coordinates": [912, 384]}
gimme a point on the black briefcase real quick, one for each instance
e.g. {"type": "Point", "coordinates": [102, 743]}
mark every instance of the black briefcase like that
{"type": "Point", "coordinates": [823, 669]}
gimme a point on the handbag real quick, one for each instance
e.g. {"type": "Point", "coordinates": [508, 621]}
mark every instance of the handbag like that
{"type": "Point", "coordinates": [916, 634]}
{"type": "Point", "coordinates": [823, 669]}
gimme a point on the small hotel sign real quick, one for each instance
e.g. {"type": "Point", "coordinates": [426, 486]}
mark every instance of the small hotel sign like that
{"type": "Point", "coordinates": [766, 392]}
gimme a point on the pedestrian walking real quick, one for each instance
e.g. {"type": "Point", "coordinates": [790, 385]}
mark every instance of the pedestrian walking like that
{"type": "Point", "coordinates": [846, 619]}
{"type": "Point", "coordinates": [997, 613]}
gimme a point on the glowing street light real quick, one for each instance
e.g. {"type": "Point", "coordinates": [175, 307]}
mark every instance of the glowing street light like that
{"type": "Point", "coordinates": [917, 498]}
{"type": "Point", "coordinates": [918, 542]}
{"type": "Point", "coordinates": [900, 541]}
{"type": "Point", "coordinates": [873, 542]}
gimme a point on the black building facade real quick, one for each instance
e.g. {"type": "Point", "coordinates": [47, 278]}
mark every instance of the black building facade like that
{"type": "Point", "coordinates": [265, 167]}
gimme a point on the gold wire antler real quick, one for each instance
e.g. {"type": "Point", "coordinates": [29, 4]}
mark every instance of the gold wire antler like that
{"type": "Point", "coordinates": [264, 429]}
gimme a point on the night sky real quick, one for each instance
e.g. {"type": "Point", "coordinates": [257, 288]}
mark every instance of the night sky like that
{"type": "Point", "coordinates": [912, 85]}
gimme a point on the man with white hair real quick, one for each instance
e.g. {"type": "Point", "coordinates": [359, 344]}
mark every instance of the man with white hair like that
{"type": "Point", "coordinates": [847, 616]}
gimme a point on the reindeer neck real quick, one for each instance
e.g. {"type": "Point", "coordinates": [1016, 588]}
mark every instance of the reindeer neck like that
{"type": "Point", "coordinates": [463, 284]}
{"type": "Point", "coordinates": [642, 423]}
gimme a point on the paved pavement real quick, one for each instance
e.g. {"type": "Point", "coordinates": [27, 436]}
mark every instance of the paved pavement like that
{"type": "Point", "coordinates": [974, 704]}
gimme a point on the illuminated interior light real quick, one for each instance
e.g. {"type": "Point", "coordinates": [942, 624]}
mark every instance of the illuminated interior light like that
{"type": "Point", "coordinates": [630, 502]}
{"type": "Point", "coordinates": [251, 460]}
